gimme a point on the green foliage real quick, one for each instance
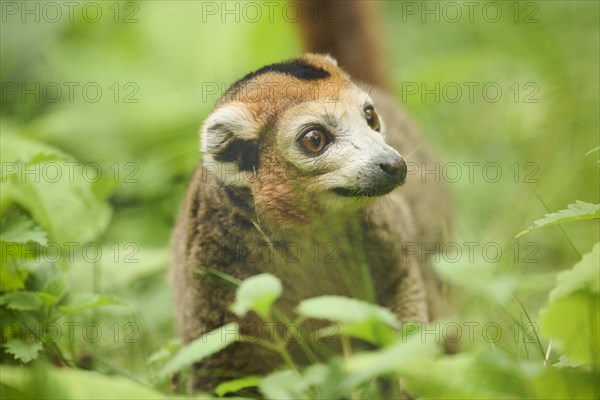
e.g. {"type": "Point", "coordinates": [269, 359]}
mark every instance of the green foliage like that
{"type": "Point", "coordinates": [345, 310]}
{"type": "Point", "coordinates": [64, 384]}
{"type": "Point", "coordinates": [18, 228]}
{"type": "Point", "coordinates": [41, 214]}
{"type": "Point", "coordinates": [293, 385]}
{"type": "Point", "coordinates": [578, 211]}
{"type": "Point", "coordinates": [567, 383]}
{"type": "Point", "coordinates": [57, 200]}
{"type": "Point", "coordinates": [236, 385]}
{"type": "Point", "coordinates": [258, 294]}
{"type": "Point", "coordinates": [22, 350]}
{"type": "Point", "coordinates": [202, 347]}
{"type": "Point", "coordinates": [571, 316]}
{"type": "Point", "coordinates": [22, 301]}
{"type": "Point", "coordinates": [147, 150]}
{"type": "Point", "coordinates": [354, 318]}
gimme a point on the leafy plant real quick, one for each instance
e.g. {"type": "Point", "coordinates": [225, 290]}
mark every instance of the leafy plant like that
{"type": "Point", "coordinates": [44, 217]}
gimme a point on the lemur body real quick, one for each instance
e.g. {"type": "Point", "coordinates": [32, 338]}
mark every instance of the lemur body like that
{"type": "Point", "coordinates": [302, 176]}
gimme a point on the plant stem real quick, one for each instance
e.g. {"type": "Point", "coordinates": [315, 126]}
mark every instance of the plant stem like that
{"type": "Point", "coordinates": [346, 348]}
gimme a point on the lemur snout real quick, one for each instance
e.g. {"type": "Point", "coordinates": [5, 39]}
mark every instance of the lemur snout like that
{"type": "Point", "coordinates": [396, 168]}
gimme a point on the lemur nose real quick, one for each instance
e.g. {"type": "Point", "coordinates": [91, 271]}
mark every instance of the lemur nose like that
{"type": "Point", "coordinates": [396, 168]}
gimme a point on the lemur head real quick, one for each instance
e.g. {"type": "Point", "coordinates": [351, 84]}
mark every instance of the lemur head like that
{"type": "Point", "coordinates": [303, 138]}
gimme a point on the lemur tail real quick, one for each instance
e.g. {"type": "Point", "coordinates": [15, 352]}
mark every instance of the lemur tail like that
{"type": "Point", "coordinates": [348, 30]}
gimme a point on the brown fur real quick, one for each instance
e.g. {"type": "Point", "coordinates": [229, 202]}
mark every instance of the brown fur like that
{"type": "Point", "coordinates": [349, 31]}
{"type": "Point", "coordinates": [220, 226]}
{"type": "Point", "coordinates": [416, 212]}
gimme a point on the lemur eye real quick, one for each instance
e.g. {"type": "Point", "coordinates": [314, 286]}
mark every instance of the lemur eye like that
{"type": "Point", "coordinates": [314, 140]}
{"type": "Point", "coordinates": [372, 118]}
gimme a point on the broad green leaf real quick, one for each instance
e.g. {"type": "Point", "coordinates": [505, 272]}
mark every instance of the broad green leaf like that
{"type": "Point", "coordinates": [18, 148]}
{"type": "Point", "coordinates": [13, 278]}
{"type": "Point", "coordinates": [585, 275]}
{"type": "Point", "coordinates": [48, 299]}
{"type": "Point", "coordinates": [402, 356]}
{"type": "Point", "coordinates": [257, 294]}
{"type": "Point", "coordinates": [202, 347]}
{"type": "Point", "coordinates": [574, 212]}
{"type": "Point", "coordinates": [22, 301]}
{"type": "Point", "coordinates": [372, 330]}
{"type": "Point", "coordinates": [165, 352]}
{"type": "Point", "coordinates": [567, 383]}
{"type": "Point", "coordinates": [284, 385]}
{"type": "Point", "coordinates": [66, 208]}
{"type": "Point", "coordinates": [320, 381]}
{"type": "Point", "coordinates": [54, 189]}
{"type": "Point", "coordinates": [15, 151]}
{"type": "Point", "coordinates": [49, 382]}
{"type": "Point", "coordinates": [345, 310]}
{"type": "Point", "coordinates": [571, 316]}
{"type": "Point", "coordinates": [55, 286]}
{"type": "Point", "coordinates": [565, 362]}
{"type": "Point", "coordinates": [235, 385]}
{"type": "Point", "coordinates": [18, 228]}
{"type": "Point", "coordinates": [83, 301]}
{"type": "Point", "coordinates": [573, 322]}
{"type": "Point", "coordinates": [469, 375]}
{"type": "Point", "coordinates": [23, 350]}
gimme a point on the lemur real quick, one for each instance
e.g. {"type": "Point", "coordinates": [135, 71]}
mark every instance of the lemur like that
{"type": "Point", "coordinates": [304, 175]}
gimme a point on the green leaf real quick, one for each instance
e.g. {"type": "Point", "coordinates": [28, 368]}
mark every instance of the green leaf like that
{"type": "Point", "coordinates": [371, 330]}
{"type": "Point", "coordinates": [585, 275]}
{"type": "Point", "coordinates": [18, 228]}
{"type": "Point", "coordinates": [345, 310]}
{"type": "Point", "coordinates": [18, 148]}
{"type": "Point", "coordinates": [565, 362]}
{"type": "Point", "coordinates": [573, 322]}
{"type": "Point", "coordinates": [567, 383]}
{"type": "Point", "coordinates": [257, 294]}
{"type": "Point", "coordinates": [283, 385]}
{"type": "Point", "coordinates": [470, 375]}
{"type": "Point", "coordinates": [574, 212]}
{"type": "Point", "coordinates": [55, 190]}
{"type": "Point", "coordinates": [23, 350]}
{"type": "Point", "coordinates": [53, 291]}
{"type": "Point", "coordinates": [235, 385]}
{"type": "Point", "coordinates": [61, 207]}
{"type": "Point", "coordinates": [402, 356]}
{"type": "Point", "coordinates": [321, 379]}
{"type": "Point", "coordinates": [289, 384]}
{"type": "Point", "coordinates": [22, 301]}
{"type": "Point", "coordinates": [48, 299]}
{"type": "Point", "coordinates": [55, 286]}
{"type": "Point", "coordinates": [49, 382]}
{"type": "Point", "coordinates": [13, 278]}
{"type": "Point", "coordinates": [202, 347]}
{"type": "Point", "coordinates": [165, 352]}
{"type": "Point", "coordinates": [83, 301]}
{"type": "Point", "coordinates": [571, 316]}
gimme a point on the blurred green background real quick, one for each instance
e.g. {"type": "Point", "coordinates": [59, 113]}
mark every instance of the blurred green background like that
{"type": "Point", "coordinates": [157, 64]}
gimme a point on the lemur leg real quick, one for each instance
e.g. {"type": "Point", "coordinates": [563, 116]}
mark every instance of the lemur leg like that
{"type": "Point", "coordinates": [410, 302]}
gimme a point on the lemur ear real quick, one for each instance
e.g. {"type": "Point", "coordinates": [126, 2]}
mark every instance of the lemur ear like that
{"type": "Point", "coordinates": [229, 135]}
{"type": "Point", "coordinates": [330, 58]}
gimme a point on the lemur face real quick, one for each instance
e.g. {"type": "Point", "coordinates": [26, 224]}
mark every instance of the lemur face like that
{"type": "Point", "coordinates": [304, 140]}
